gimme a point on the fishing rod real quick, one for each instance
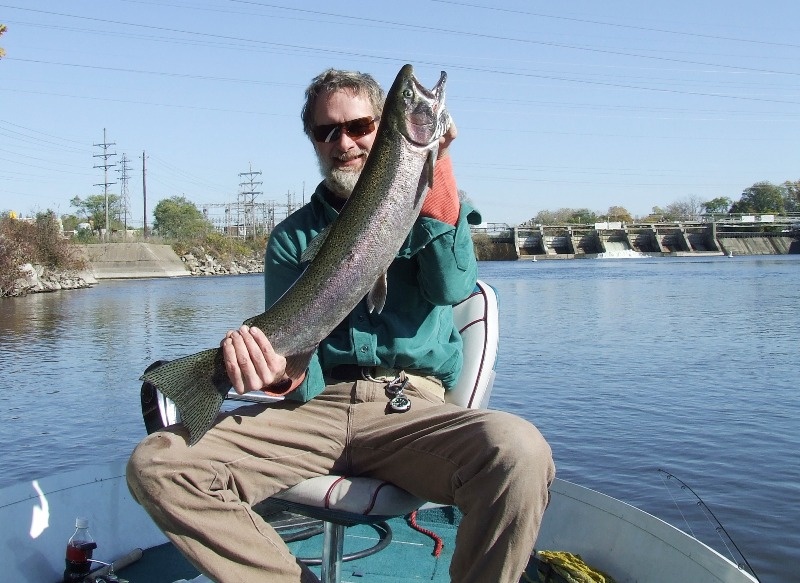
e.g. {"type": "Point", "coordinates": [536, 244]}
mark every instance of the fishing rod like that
{"type": "Point", "coordinates": [719, 528]}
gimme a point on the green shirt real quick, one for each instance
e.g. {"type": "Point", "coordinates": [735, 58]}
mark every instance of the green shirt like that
{"type": "Point", "coordinates": [434, 269]}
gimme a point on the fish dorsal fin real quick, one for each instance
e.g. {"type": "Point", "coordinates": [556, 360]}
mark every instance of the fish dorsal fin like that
{"type": "Point", "coordinates": [297, 364]}
{"type": "Point", "coordinates": [315, 245]}
{"type": "Point", "coordinates": [376, 298]}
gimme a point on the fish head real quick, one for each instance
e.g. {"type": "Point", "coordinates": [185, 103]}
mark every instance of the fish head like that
{"type": "Point", "coordinates": [421, 114]}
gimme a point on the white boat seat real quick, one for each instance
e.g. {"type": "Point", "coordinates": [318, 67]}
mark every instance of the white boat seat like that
{"type": "Point", "coordinates": [341, 501]}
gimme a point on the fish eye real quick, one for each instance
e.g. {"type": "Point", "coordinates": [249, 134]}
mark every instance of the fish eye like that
{"type": "Point", "coordinates": [408, 93]}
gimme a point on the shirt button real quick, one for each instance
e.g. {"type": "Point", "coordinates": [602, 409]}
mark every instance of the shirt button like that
{"type": "Point", "coordinates": [364, 349]}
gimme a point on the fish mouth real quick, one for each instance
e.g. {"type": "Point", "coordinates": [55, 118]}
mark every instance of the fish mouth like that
{"type": "Point", "coordinates": [428, 120]}
{"type": "Point", "coordinates": [436, 93]}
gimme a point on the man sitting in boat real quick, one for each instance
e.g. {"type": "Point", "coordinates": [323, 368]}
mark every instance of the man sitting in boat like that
{"type": "Point", "coordinates": [494, 466]}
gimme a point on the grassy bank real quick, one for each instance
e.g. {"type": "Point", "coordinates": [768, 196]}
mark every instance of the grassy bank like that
{"type": "Point", "coordinates": [223, 249]}
{"type": "Point", "coordinates": [36, 242]}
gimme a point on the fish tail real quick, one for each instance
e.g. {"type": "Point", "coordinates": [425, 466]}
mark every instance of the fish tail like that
{"type": "Point", "coordinates": [197, 384]}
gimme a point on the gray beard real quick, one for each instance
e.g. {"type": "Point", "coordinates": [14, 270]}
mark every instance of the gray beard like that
{"type": "Point", "coordinates": [340, 182]}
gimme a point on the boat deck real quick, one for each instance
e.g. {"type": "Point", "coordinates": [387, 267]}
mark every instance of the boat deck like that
{"type": "Point", "coordinates": [410, 556]}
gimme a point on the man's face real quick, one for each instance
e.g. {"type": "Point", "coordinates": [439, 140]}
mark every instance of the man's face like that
{"type": "Point", "coordinates": [341, 160]}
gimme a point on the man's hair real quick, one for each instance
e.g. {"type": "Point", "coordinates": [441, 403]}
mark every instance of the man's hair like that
{"type": "Point", "coordinates": [336, 80]}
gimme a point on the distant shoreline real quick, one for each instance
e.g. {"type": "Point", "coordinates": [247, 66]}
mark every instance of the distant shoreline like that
{"type": "Point", "coordinates": [147, 261]}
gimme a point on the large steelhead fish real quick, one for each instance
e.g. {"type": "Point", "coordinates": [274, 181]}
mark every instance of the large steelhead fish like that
{"type": "Point", "coordinates": [348, 261]}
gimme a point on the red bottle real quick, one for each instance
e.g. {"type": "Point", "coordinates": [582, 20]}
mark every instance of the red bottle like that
{"type": "Point", "coordinates": [79, 552]}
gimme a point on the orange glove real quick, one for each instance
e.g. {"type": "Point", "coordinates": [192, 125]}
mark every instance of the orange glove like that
{"type": "Point", "coordinates": [441, 202]}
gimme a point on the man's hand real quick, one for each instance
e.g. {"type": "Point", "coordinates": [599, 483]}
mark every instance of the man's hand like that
{"type": "Point", "coordinates": [252, 364]}
{"type": "Point", "coordinates": [446, 140]}
{"type": "Point", "coordinates": [442, 202]}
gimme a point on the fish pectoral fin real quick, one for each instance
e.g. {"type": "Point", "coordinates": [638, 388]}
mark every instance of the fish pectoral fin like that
{"type": "Point", "coordinates": [430, 164]}
{"type": "Point", "coordinates": [376, 298]}
{"type": "Point", "coordinates": [425, 178]}
{"type": "Point", "coordinates": [297, 364]}
{"type": "Point", "coordinates": [315, 245]}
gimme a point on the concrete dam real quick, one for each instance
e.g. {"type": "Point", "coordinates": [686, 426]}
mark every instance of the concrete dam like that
{"type": "Point", "coordinates": [573, 241]}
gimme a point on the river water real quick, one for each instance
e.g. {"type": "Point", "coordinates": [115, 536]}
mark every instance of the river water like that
{"type": "Point", "coordinates": [690, 365]}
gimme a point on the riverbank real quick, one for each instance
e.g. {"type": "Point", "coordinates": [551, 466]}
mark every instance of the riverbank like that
{"type": "Point", "coordinates": [38, 279]}
{"type": "Point", "coordinates": [151, 260]}
{"type": "Point", "coordinates": [131, 261]}
{"type": "Point", "coordinates": [209, 265]}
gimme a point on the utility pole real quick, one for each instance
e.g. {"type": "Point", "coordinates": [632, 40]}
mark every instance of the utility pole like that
{"type": "Point", "coordinates": [144, 194]}
{"type": "Point", "coordinates": [289, 203]}
{"type": "Point", "coordinates": [125, 201]}
{"type": "Point", "coordinates": [249, 192]}
{"type": "Point", "coordinates": [105, 166]}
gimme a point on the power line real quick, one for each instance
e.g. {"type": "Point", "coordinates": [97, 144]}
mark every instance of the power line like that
{"type": "Point", "coordinates": [618, 25]}
{"type": "Point", "coordinates": [124, 199]}
{"type": "Point", "coordinates": [419, 27]}
{"type": "Point", "coordinates": [105, 166]}
{"type": "Point", "coordinates": [245, 208]}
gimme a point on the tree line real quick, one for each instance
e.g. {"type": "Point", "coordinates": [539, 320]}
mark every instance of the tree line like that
{"type": "Point", "coordinates": [174, 218]}
{"type": "Point", "coordinates": [760, 198]}
{"type": "Point", "coordinates": [179, 218]}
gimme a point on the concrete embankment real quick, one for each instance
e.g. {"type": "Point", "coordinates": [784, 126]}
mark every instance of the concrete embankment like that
{"type": "Point", "coordinates": [656, 240]}
{"type": "Point", "coordinates": [133, 260]}
{"type": "Point", "coordinates": [758, 245]}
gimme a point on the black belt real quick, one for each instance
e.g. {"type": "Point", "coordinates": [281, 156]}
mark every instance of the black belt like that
{"type": "Point", "coordinates": [355, 372]}
{"type": "Point", "coordinates": [349, 372]}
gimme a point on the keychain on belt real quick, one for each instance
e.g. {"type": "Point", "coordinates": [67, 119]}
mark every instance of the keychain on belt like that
{"type": "Point", "coordinates": [398, 402]}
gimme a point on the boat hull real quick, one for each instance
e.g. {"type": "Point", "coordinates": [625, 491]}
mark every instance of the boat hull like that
{"type": "Point", "coordinates": [39, 516]}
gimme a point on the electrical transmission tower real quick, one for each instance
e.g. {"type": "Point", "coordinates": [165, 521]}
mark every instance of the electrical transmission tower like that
{"type": "Point", "coordinates": [124, 199]}
{"type": "Point", "coordinates": [105, 166]}
{"type": "Point", "coordinates": [246, 214]}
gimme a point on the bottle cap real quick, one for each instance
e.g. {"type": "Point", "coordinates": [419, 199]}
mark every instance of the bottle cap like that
{"type": "Point", "coordinates": [81, 522]}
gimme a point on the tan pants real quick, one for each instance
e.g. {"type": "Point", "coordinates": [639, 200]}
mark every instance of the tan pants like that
{"type": "Point", "coordinates": [494, 466]}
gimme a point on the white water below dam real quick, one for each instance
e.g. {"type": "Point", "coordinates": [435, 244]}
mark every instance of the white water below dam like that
{"type": "Point", "coordinates": [620, 250]}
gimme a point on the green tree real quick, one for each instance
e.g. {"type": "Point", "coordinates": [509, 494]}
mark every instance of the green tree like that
{"type": "Point", "coordinates": [564, 216]}
{"type": "Point", "coordinates": [619, 213]}
{"type": "Point", "coordinates": [685, 209]}
{"type": "Point", "coordinates": [583, 216]}
{"type": "Point", "coordinates": [762, 197]}
{"type": "Point", "coordinates": [93, 209]}
{"type": "Point", "coordinates": [547, 217]}
{"type": "Point", "coordinates": [791, 196]}
{"type": "Point", "coordinates": [657, 215]}
{"type": "Point", "coordinates": [178, 218]}
{"type": "Point", "coordinates": [70, 222]}
{"type": "Point", "coordinates": [717, 206]}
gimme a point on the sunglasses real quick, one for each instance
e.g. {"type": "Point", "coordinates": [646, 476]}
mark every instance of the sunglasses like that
{"type": "Point", "coordinates": [355, 128]}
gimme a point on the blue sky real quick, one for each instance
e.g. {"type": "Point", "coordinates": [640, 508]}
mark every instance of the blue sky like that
{"type": "Point", "coordinates": [572, 104]}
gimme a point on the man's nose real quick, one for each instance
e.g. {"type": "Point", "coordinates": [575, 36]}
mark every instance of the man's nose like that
{"type": "Point", "coordinates": [344, 142]}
